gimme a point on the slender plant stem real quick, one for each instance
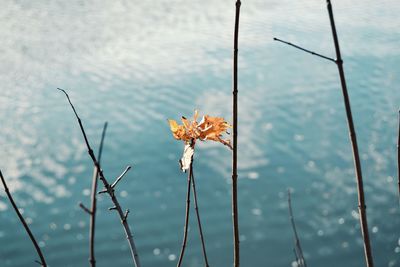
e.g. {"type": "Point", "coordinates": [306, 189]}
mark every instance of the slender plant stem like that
{"type": "Point", "coordinates": [305, 50]}
{"type": "Point", "coordinates": [39, 252]}
{"type": "Point", "coordinates": [298, 250]}
{"type": "Point", "coordinates": [196, 207]}
{"type": "Point", "coordinates": [353, 139]}
{"type": "Point", "coordinates": [235, 214]}
{"type": "Point", "coordinates": [296, 257]}
{"type": "Point", "coordinates": [185, 228]}
{"type": "Point", "coordinates": [398, 158]}
{"type": "Point", "coordinates": [109, 189]}
{"type": "Point", "coordinates": [93, 209]}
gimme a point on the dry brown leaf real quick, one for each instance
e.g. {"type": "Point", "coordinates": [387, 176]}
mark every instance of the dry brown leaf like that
{"type": "Point", "coordinates": [209, 128]}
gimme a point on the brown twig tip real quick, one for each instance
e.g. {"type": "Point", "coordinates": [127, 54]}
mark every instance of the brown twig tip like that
{"type": "Point", "coordinates": [120, 177]}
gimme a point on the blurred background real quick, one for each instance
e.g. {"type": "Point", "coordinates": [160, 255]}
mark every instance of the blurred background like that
{"type": "Point", "coordinates": [137, 63]}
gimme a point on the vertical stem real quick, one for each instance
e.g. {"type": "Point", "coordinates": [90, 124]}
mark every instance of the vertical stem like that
{"type": "Point", "coordinates": [93, 209]}
{"type": "Point", "coordinates": [298, 250]}
{"type": "Point", "coordinates": [196, 207]}
{"type": "Point", "coordinates": [39, 252]}
{"type": "Point", "coordinates": [236, 255]}
{"type": "Point", "coordinates": [398, 158]}
{"type": "Point", "coordinates": [353, 139]}
{"type": "Point", "coordinates": [185, 229]}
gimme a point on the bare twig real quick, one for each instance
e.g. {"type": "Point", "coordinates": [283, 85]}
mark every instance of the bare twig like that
{"type": "Point", "coordinates": [109, 189]}
{"type": "Point", "coordinates": [296, 257]}
{"type": "Point", "coordinates": [353, 138]}
{"type": "Point", "coordinates": [305, 50]}
{"type": "Point", "coordinates": [196, 207]}
{"type": "Point", "coordinates": [39, 252]}
{"type": "Point", "coordinates": [297, 247]}
{"type": "Point", "coordinates": [398, 158]}
{"type": "Point", "coordinates": [120, 177]}
{"type": "Point", "coordinates": [84, 208]}
{"type": "Point", "coordinates": [93, 197]}
{"type": "Point", "coordinates": [185, 228]}
{"type": "Point", "coordinates": [235, 219]}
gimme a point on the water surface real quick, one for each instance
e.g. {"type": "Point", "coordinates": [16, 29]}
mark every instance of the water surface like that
{"type": "Point", "coordinates": [137, 63]}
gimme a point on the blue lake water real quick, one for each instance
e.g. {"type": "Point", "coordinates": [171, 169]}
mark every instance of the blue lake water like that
{"type": "Point", "coordinates": [137, 63]}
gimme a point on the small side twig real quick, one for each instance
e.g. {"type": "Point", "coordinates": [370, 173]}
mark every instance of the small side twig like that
{"type": "Point", "coordinates": [235, 213]}
{"type": "Point", "coordinates": [108, 188]}
{"type": "Point", "coordinates": [305, 50]}
{"type": "Point", "coordinates": [297, 247]}
{"type": "Point", "coordinates": [120, 177]}
{"type": "Point", "coordinates": [38, 250]}
{"type": "Point", "coordinates": [85, 209]}
{"type": "Point", "coordinates": [196, 207]}
{"type": "Point", "coordinates": [185, 228]}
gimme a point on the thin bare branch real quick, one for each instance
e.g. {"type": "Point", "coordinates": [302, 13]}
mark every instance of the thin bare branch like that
{"type": "Point", "coordinates": [185, 228]}
{"type": "Point", "coordinates": [352, 134]}
{"type": "Point", "coordinates": [297, 247]}
{"type": "Point", "coordinates": [120, 177]}
{"type": "Point", "coordinates": [305, 50]}
{"type": "Point", "coordinates": [296, 257]}
{"type": "Point", "coordinates": [353, 139]}
{"type": "Point", "coordinates": [235, 214]}
{"type": "Point", "coordinates": [103, 191]}
{"type": "Point", "coordinates": [38, 250]}
{"type": "Point", "coordinates": [109, 189]}
{"type": "Point", "coordinates": [196, 207]}
{"type": "Point", "coordinates": [92, 258]}
{"type": "Point", "coordinates": [398, 158]}
{"type": "Point", "coordinates": [83, 207]}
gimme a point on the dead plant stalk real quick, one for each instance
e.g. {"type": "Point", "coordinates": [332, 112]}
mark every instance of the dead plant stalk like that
{"type": "Point", "coordinates": [109, 189]}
